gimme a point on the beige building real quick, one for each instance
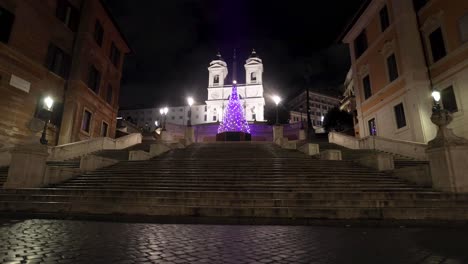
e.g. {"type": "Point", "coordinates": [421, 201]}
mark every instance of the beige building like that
{"type": "Point", "coordinates": [70, 50]}
{"type": "Point", "coordinates": [400, 51]}
{"type": "Point", "coordinates": [319, 105]}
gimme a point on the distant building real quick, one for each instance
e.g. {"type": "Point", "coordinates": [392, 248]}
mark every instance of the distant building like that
{"type": "Point", "coordinates": [319, 104]}
{"type": "Point", "coordinates": [69, 50]}
{"type": "Point", "coordinates": [250, 94]}
{"type": "Point", "coordinates": [393, 46]}
{"type": "Point", "coordinates": [348, 103]}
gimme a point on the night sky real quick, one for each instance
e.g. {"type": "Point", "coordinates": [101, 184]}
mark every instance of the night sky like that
{"type": "Point", "coordinates": [174, 41]}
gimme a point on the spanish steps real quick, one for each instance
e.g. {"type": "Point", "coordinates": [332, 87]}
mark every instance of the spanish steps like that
{"type": "Point", "coordinates": [238, 181]}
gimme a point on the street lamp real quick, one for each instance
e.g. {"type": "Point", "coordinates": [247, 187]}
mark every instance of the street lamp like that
{"type": "Point", "coordinates": [163, 112]}
{"type": "Point", "coordinates": [190, 103]}
{"type": "Point", "coordinates": [277, 100]}
{"type": "Point", "coordinates": [48, 104]}
{"type": "Point", "coordinates": [302, 122]}
{"type": "Point", "coordinates": [436, 96]}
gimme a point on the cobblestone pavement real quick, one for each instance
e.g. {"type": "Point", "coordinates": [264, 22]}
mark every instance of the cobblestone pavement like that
{"type": "Point", "coordinates": [56, 241]}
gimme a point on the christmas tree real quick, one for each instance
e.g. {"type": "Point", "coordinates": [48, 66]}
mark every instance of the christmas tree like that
{"type": "Point", "coordinates": [234, 120]}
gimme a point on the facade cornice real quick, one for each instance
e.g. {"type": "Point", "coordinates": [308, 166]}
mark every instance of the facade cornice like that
{"type": "Point", "coordinates": [372, 9]}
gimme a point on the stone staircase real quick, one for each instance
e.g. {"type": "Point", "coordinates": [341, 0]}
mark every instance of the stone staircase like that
{"type": "Point", "coordinates": [3, 175]}
{"type": "Point", "coordinates": [238, 181]}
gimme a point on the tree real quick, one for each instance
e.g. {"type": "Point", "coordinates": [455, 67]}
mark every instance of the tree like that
{"type": "Point", "coordinates": [234, 119]}
{"type": "Point", "coordinates": [338, 120]}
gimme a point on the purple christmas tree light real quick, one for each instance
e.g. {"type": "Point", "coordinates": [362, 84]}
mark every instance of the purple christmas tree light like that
{"type": "Point", "coordinates": [233, 119]}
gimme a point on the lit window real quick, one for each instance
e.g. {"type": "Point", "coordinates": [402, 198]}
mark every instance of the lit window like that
{"type": "Point", "coordinates": [384, 18]}
{"type": "Point", "coordinates": [86, 122]}
{"type": "Point", "coordinates": [367, 87]}
{"type": "Point", "coordinates": [392, 68]}
{"type": "Point", "coordinates": [6, 24]}
{"type": "Point", "coordinates": [463, 25]}
{"type": "Point", "coordinates": [98, 33]}
{"type": "Point", "coordinates": [436, 40]}
{"type": "Point", "coordinates": [372, 127]}
{"type": "Point", "coordinates": [449, 102]}
{"type": "Point", "coordinates": [104, 129]}
{"type": "Point", "coordinates": [400, 116]}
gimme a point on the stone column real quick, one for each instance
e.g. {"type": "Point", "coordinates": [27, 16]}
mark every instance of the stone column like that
{"type": "Point", "coordinates": [278, 134]}
{"type": "Point", "coordinates": [27, 167]}
{"type": "Point", "coordinates": [189, 135]}
{"type": "Point", "coordinates": [302, 134]}
{"type": "Point", "coordinates": [448, 157]}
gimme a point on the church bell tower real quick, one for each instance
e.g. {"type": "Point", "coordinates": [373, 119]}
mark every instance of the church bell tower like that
{"type": "Point", "coordinates": [217, 72]}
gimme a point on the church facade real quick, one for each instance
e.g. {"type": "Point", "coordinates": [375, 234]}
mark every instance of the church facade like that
{"type": "Point", "coordinates": [219, 90]}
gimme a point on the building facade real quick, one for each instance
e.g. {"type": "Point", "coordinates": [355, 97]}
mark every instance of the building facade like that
{"type": "Point", "coordinates": [250, 94]}
{"type": "Point", "coordinates": [400, 52]}
{"type": "Point", "coordinates": [70, 50]}
{"type": "Point", "coordinates": [319, 104]}
{"type": "Point", "coordinates": [348, 102]}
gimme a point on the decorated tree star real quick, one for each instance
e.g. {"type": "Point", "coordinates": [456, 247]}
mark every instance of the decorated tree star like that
{"type": "Point", "coordinates": [233, 119]}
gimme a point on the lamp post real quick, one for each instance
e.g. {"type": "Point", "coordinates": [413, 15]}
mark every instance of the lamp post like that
{"type": "Point", "coordinates": [302, 122]}
{"type": "Point", "coordinates": [48, 104]}
{"type": "Point", "coordinates": [163, 112]}
{"type": "Point", "coordinates": [190, 103]}
{"type": "Point", "coordinates": [277, 100]}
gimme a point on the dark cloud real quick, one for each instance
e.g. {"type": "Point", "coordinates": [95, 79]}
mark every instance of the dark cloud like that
{"type": "Point", "coordinates": [174, 41]}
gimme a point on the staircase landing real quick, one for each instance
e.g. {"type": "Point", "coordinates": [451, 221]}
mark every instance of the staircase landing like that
{"type": "Point", "coordinates": [238, 180]}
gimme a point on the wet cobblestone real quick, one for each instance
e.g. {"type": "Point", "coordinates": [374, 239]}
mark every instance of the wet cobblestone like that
{"type": "Point", "coordinates": [57, 241]}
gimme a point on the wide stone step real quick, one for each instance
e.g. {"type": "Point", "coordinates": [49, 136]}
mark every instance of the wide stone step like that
{"type": "Point", "coordinates": [424, 213]}
{"type": "Point", "coordinates": [421, 193]}
{"type": "Point", "coordinates": [238, 202]}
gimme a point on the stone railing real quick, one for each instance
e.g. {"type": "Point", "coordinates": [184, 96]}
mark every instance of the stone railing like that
{"type": "Point", "coordinates": [405, 148]}
{"type": "Point", "coordinates": [81, 148]}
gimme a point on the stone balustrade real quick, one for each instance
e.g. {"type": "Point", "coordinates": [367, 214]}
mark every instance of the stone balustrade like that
{"type": "Point", "coordinates": [81, 148]}
{"type": "Point", "coordinates": [405, 148]}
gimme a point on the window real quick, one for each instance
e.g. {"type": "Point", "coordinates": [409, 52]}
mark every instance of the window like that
{"type": "Point", "coordinates": [254, 116]}
{"type": "Point", "coordinates": [68, 14]}
{"type": "Point", "coordinates": [115, 55]}
{"type": "Point", "coordinates": [6, 24]}
{"type": "Point", "coordinates": [367, 87]}
{"type": "Point", "coordinates": [94, 79]}
{"type": "Point", "coordinates": [216, 79]}
{"type": "Point", "coordinates": [104, 129]}
{"type": "Point", "coordinates": [214, 118]}
{"type": "Point", "coordinates": [86, 123]}
{"type": "Point", "coordinates": [392, 68]}
{"type": "Point", "coordinates": [253, 76]}
{"type": "Point", "coordinates": [360, 44]}
{"type": "Point", "coordinates": [109, 95]}
{"type": "Point", "coordinates": [463, 25]}
{"type": "Point", "coordinates": [449, 102]}
{"type": "Point", "coordinates": [418, 4]}
{"type": "Point", "coordinates": [400, 115]}
{"type": "Point", "coordinates": [206, 108]}
{"type": "Point", "coordinates": [98, 33]}
{"type": "Point", "coordinates": [372, 127]}
{"type": "Point", "coordinates": [58, 61]}
{"type": "Point", "coordinates": [384, 18]}
{"type": "Point", "coordinates": [436, 40]}
{"type": "Point", "coordinates": [205, 118]}
{"type": "Point", "coordinates": [181, 117]}
{"type": "Point", "coordinates": [173, 117]}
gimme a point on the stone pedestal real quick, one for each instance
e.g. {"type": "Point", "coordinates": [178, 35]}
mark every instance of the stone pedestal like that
{"type": "Point", "coordinates": [378, 161]}
{"type": "Point", "coordinates": [331, 154]}
{"type": "Point", "coordinates": [302, 134]}
{"type": "Point", "coordinates": [448, 156]}
{"type": "Point", "coordinates": [310, 149]}
{"type": "Point", "coordinates": [278, 134]}
{"type": "Point", "coordinates": [166, 136]}
{"type": "Point", "coordinates": [449, 168]}
{"type": "Point", "coordinates": [27, 167]}
{"type": "Point", "coordinates": [189, 135]}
